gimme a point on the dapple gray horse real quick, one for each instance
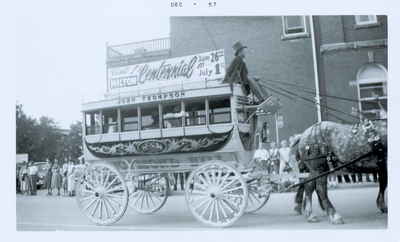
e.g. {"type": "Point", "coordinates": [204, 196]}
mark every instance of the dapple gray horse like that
{"type": "Point", "coordinates": [346, 143]}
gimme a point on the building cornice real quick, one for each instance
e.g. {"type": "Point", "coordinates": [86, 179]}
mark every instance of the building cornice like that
{"type": "Point", "coordinates": [327, 48]}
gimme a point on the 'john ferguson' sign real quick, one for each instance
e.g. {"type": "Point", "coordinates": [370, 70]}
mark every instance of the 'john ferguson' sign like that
{"type": "Point", "coordinates": [175, 71]}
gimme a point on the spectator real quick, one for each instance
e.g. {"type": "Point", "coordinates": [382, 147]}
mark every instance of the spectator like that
{"type": "Point", "coordinates": [56, 178]}
{"type": "Point", "coordinates": [24, 178]}
{"type": "Point", "coordinates": [274, 158]}
{"type": "Point", "coordinates": [64, 180]}
{"type": "Point", "coordinates": [18, 184]}
{"type": "Point", "coordinates": [48, 178]}
{"type": "Point", "coordinates": [33, 171]}
{"type": "Point", "coordinates": [70, 178]}
{"type": "Point", "coordinates": [284, 157]}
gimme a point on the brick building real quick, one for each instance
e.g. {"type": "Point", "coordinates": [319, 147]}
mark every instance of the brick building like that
{"type": "Point", "coordinates": [352, 64]}
{"type": "Point", "coordinates": [348, 56]}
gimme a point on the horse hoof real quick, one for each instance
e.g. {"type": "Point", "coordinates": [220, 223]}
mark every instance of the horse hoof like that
{"type": "Point", "coordinates": [298, 209]}
{"type": "Point", "coordinates": [384, 210]}
{"type": "Point", "coordinates": [312, 219]}
{"type": "Point", "coordinates": [337, 219]}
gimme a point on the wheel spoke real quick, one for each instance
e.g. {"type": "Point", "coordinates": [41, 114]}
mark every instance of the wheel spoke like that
{"type": "Point", "coordinates": [221, 205]}
{"type": "Point", "coordinates": [101, 208]}
{"type": "Point", "coordinates": [142, 200]}
{"type": "Point", "coordinates": [152, 200]}
{"type": "Point", "coordinates": [217, 209]}
{"type": "Point", "coordinates": [209, 176]}
{"type": "Point", "coordinates": [229, 184]}
{"type": "Point", "coordinates": [114, 196]}
{"type": "Point", "coordinates": [95, 208]}
{"type": "Point", "coordinates": [198, 193]}
{"type": "Point", "coordinates": [211, 210]}
{"type": "Point", "coordinates": [86, 183]}
{"type": "Point", "coordinates": [106, 208]}
{"type": "Point", "coordinates": [112, 182]}
{"type": "Point", "coordinates": [106, 177]}
{"type": "Point", "coordinates": [117, 188]}
{"type": "Point", "coordinates": [147, 200]}
{"type": "Point", "coordinates": [86, 198]}
{"type": "Point", "coordinates": [114, 200]}
{"type": "Point", "coordinates": [232, 189]}
{"type": "Point", "coordinates": [199, 204]}
{"type": "Point", "coordinates": [224, 178]}
{"type": "Point", "coordinates": [218, 177]}
{"type": "Point", "coordinates": [110, 205]}
{"type": "Point", "coordinates": [206, 208]}
{"type": "Point", "coordinates": [203, 188]}
{"type": "Point", "coordinates": [90, 204]}
{"type": "Point", "coordinates": [138, 197]}
{"type": "Point", "coordinates": [228, 205]}
{"type": "Point", "coordinates": [201, 178]}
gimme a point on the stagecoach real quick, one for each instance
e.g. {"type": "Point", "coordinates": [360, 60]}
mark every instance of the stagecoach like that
{"type": "Point", "coordinates": [173, 116]}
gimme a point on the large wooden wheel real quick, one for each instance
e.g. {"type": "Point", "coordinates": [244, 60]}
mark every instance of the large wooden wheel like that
{"type": "Point", "coordinates": [149, 193]}
{"type": "Point", "coordinates": [102, 194]}
{"type": "Point", "coordinates": [259, 193]}
{"type": "Point", "coordinates": [216, 194]}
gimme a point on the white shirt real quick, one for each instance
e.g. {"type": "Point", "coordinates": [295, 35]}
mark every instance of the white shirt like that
{"type": "Point", "coordinates": [261, 154]}
{"type": "Point", "coordinates": [284, 154]}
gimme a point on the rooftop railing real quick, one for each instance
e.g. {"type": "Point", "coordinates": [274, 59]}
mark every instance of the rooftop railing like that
{"type": "Point", "coordinates": [138, 48]}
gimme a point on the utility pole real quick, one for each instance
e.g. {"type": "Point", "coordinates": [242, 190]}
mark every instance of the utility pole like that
{"type": "Point", "coordinates": [316, 79]}
{"type": "Point", "coordinates": [276, 128]}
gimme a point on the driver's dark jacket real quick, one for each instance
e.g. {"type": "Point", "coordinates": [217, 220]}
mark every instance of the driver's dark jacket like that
{"type": "Point", "coordinates": [237, 73]}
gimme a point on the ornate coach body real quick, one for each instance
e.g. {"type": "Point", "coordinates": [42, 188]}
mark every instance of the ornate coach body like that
{"type": "Point", "coordinates": [171, 122]}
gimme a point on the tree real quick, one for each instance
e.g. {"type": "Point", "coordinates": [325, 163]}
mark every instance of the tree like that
{"type": "Point", "coordinates": [42, 139]}
{"type": "Point", "coordinates": [74, 140]}
{"type": "Point", "coordinates": [26, 130]}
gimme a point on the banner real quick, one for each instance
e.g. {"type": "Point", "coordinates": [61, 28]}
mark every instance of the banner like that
{"type": "Point", "coordinates": [174, 71]}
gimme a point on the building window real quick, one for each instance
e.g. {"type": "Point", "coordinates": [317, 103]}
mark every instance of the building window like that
{"type": "Point", "coordinates": [220, 111]}
{"type": "Point", "coordinates": [362, 20]}
{"type": "Point", "coordinates": [129, 120]}
{"type": "Point", "coordinates": [294, 26]}
{"type": "Point", "coordinates": [372, 89]}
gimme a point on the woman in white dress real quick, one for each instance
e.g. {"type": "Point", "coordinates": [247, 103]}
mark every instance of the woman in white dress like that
{"type": "Point", "coordinates": [71, 178]}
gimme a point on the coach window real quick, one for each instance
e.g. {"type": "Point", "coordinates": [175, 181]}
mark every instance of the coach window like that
{"type": "Point", "coordinates": [294, 27]}
{"type": "Point", "coordinates": [110, 121]}
{"type": "Point", "coordinates": [196, 112]}
{"type": "Point", "coordinates": [219, 110]}
{"type": "Point", "coordinates": [93, 123]}
{"type": "Point", "coordinates": [172, 115]}
{"type": "Point", "coordinates": [129, 119]}
{"type": "Point", "coordinates": [150, 118]}
{"type": "Point", "coordinates": [372, 86]}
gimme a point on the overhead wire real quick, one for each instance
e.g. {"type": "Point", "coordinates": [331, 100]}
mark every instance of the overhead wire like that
{"type": "Point", "coordinates": [309, 100]}
{"type": "Point", "coordinates": [312, 91]}
{"type": "Point", "coordinates": [307, 103]}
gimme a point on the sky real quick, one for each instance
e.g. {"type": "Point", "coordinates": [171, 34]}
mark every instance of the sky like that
{"type": "Point", "coordinates": [61, 59]}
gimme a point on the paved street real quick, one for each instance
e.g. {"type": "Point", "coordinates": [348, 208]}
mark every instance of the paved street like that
{"type": "Point", "coordinates": [355, 204]}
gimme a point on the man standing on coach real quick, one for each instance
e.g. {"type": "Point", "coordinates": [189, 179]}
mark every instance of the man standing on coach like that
{"type": "Point", "coordinates": [237, 73]}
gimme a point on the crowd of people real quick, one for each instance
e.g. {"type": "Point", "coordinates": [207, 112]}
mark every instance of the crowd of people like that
{"type": "Point", "coordinates": [27, 175]}
{"type": "Point", "coordinates": [58, 180]}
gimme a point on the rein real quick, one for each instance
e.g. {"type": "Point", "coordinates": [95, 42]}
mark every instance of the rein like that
{"type": "Point", "coordinates": [376, 149]}
{"type": "Point", "coordinates": [326, 173]}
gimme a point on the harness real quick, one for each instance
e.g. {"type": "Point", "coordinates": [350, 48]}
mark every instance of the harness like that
{"type": "Point", "coordinates": [374, 140]}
